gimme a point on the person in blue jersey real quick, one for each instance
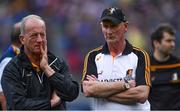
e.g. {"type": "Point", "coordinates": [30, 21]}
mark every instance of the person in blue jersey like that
{"type": "Point", "coordinates": [116, 74]}
{"type": "Point", "coordinates": [11, 52]}
{"type": "Point", "coordinates": [165, 70]}
{"type": "Point", "coordinates": [15, 45]}
{"type": "Point", "coordinates": [36, 79]}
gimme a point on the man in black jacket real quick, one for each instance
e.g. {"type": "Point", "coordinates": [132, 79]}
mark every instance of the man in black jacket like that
{"type": "Point", "coordinates": [165, 70]}
{"type": "Point", "coordinates": [36, 79]}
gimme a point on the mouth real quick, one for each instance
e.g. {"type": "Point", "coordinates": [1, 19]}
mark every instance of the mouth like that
{"type": "Point", "coordinates": [37, 46]}
{"type": "Point", "coordinates": [109, 37]}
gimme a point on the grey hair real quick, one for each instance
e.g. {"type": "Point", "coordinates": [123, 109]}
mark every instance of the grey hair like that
{"type": "Point", "coordinates": [22, 27]}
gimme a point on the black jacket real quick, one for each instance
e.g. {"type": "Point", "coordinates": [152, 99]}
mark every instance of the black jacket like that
{"type": "Point", "coordinates": [23, 88]}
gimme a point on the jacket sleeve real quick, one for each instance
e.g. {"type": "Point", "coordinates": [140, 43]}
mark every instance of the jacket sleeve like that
{"type": "Point", "coordinates": [3, 63]}
{"type": "Point", "coordinates": [62, 81]}
{"type": "Point", "coordinates": [15, 92]}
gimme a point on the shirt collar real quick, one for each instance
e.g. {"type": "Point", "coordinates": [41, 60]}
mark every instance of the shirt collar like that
{"type": "Point", "coordinates": [36, 67]}
{"type": "Point", "coordinates": [128, 49]}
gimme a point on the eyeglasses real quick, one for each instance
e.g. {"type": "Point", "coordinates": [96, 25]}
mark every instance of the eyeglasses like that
{"type": "Point", "coordinates": [35, 35]}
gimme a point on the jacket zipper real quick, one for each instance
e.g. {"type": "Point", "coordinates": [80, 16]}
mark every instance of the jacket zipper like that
{"type": "Point", "coordinates": [41, 78]}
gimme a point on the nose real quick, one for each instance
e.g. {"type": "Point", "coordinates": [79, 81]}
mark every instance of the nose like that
{"type": "Point", "coordinates": [39, 38]}
{"type": "Point", "coordinates": [109, 30]}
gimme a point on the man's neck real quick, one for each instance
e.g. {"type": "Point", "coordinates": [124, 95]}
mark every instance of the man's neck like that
{"type": "Point", "coordinates": [160, 56]}
{"type": "Point", "coordinates": [116, 48]}
{"type": "Point", "coordinates": [34, 58]}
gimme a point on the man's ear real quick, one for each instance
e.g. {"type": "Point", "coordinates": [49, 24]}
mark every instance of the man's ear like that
{"type": "Point", "coordinates": [126, 26]}
{"type": "Point", "coordinates": [21, 37]}
{"type": "Point", "coordinates": [156, 43]}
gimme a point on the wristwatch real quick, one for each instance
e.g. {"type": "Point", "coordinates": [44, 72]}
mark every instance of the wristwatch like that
{"type": "Point", "coordinates": [126, 82]}
{"type": "Point", "coordinates": [126, 85]}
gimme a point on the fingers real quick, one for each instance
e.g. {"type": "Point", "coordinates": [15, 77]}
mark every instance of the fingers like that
{"type": "Point", "coordinates": [56, 100]}
{"type": "Point", "coordinates": [42, 50]}
{"type": "Point", "coordinates": [87, 83]}
{"type": "Point", "coordinates": [94, 77]}
{"type": "Point", "coordinates": [91, 78]}
{"type": "Point", "coordinates": [84, 83]}
{"type": "Point", "coordinates": [55, 96]}
{"type": "Point", "coordinates": [54, 92]}
{"type": "Point", "coordinates": [45, 46]}
{"type": "Point", "coordinates": [132, 83]}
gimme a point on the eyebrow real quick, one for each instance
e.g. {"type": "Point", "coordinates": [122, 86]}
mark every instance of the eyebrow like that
{"type": "Point", "coordinates": [35, 33]}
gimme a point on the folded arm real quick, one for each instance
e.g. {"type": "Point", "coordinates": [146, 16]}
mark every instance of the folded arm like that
{"type": "Point", "coordinates": [66, 87]}
{"type": "Point", "coordinates": [101, 89]}
{"type": "Point", "coordinates": [93, 88]}
{"type": "Point", "coordinates": [133, 95]}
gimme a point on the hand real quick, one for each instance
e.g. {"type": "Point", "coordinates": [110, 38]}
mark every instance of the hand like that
{"type": "Point", "coordinates": [3, 101]}
{"type": "Point", "coordinates": [91, 87]}
{"type": "Point", "coordinates": [132, 83]}
{"type": "Point", "coordinates": [55, 100]}
{"type": "Point", "coordinates": [44, 57]}
{"type": "Point", "coordinates": [44, 60]}
{"type": "Point", "coordinates": [86, 88]}
{"type": "Point", "coordinates": [91, 78]}
{"type": "Point", "coordinates": [130, 80]}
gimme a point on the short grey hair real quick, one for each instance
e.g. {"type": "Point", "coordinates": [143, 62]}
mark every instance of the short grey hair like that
{"type": "Point", "coordinates": [22, 27]}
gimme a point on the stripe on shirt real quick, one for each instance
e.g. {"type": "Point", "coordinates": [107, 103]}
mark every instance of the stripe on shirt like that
{"type": "Point", "coordinates": [147, 65]}
{"type": "Point", "coordinates": [86, 61]}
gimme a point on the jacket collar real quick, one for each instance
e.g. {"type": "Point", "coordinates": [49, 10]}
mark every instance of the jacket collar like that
{"type": "Point", "coordinates": [128, 49]}
{"type": "Point", "coordinates": [26, 63]}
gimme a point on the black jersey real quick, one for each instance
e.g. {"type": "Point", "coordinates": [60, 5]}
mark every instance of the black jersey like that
{"type": "Point", "coordinates": [165, 77]}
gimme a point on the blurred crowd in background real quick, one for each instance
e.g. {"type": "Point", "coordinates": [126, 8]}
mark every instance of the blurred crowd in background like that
{"type": "Point", "coordinates": [73, 26]}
